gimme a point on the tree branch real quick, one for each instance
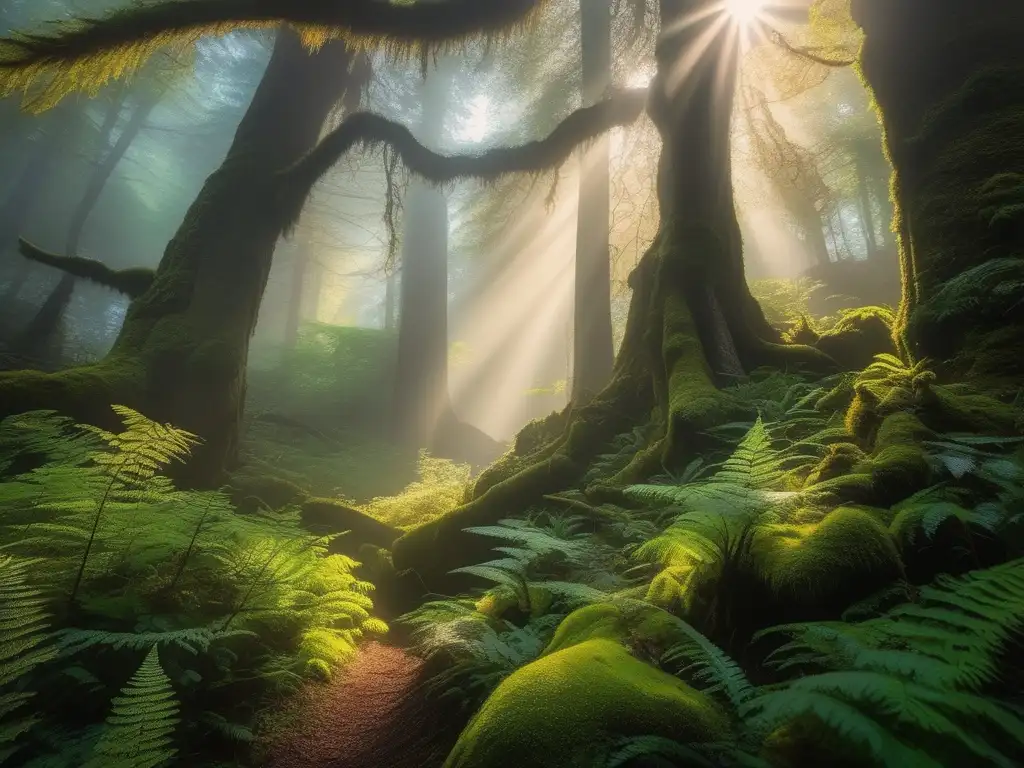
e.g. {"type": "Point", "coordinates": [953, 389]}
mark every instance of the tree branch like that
{"type": "Point", "coordinates": [131, 282]}
{"type": "Point", "coordinates": [370, 130]}
{"type": "Point", "coordinates": [115, 44]}
{"type": "Point", "coordinates": [809, 53]}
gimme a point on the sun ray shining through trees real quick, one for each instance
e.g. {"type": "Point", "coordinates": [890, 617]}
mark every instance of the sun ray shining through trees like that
{"type": "Point", "coordinates": [549, 383]}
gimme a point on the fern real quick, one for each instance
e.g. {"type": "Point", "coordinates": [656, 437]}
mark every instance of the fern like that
{"type": "Point", "coordinates": [910, 681]}
{"type": "Point", "coordinates": [23, 646]}
{"type": "Point", "coordinates": [139, 727]}
{"type": "Point", "coordinates": [194, 640]}
{"type": "Point", "coordinates": [44, 434]}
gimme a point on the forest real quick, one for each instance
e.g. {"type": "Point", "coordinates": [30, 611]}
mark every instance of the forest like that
{"type": "Point", "coordinates": [528, 383]}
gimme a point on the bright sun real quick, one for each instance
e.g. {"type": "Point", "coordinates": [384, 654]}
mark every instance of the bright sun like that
{"type": "Point", "coordinates": [745, 11]}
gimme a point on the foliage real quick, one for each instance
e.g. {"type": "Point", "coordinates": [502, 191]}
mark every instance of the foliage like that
{"type": "Point", "coordinates": [23, 623]}
{"type": "Point", "coordinates": [252, 601]}
{"type": "Point", "coordinates": [138, 729]}
{"type": "Point", "coordinates": [439, 488]}
{"type": "Point", "coordinates": [907, 688]}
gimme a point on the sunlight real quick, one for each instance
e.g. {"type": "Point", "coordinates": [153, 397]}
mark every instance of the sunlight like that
{"type": "Point", "coordinates": [745, 12]}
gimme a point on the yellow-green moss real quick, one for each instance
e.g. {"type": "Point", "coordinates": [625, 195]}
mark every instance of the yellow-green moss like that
{"type": "Point", "coordinates": [565, 709]}
{"type": "Point", "coordinates": [839, 459]}
{"type": "Point", "coordinates": [946, 411]}
{"type": "Point", "coordinates": [858, 336]}
{"type": "Point", "coordinates": [435, 548]}
{"type": "Point", "coordinates": [818, 569]}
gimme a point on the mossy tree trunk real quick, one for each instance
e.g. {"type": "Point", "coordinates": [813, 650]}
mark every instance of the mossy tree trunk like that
{"type": "Point", "coordinates": [948, 79]}
{"type": "Point", "coordinates": [692, 323]}
{"type": "Point", "coordinates": [593, 353]}
{"type": "Point", "coordinates": [182, 352]}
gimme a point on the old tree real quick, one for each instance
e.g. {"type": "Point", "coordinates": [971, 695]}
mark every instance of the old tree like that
{"type": "Point", "coordinates": [934, 66]}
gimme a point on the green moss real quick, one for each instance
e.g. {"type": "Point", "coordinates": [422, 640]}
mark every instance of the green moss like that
{"type": "Point", "coordinates": [250, 490]}
{"type": "Point", "coordinates": [435, 548]}
{"type": "Point", "coordinates": [817, 569]}
{"type": "Point", "coordinates": [946, 411]}
{"type": "Point", "coordinates": [564, 710]}
{"type": "Point", "coordinates": [839, 460]}
{"type": "Point", "coordinates": [858, 336]}
{"type": "Point", "coordinates": [331, 516]}
{"type": "Point", "coordinates": [838, 398]}
{"type": "Point", "coordinates": [599, 621]}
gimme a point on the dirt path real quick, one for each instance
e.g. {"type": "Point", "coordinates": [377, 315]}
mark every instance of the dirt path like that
{"type": "Point", "coordinates": [366, 718]}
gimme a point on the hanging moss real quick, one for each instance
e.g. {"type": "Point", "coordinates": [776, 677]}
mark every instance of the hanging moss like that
{"type": "Point", "coordinates": [565, 709]}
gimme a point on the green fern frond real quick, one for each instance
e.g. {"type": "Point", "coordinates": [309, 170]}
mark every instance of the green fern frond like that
{"type": "Point", "coordinates": [24, 620]}
{"type": "Point", "coordinates": [657, 751]}
{"type": "Point", "coordinates": [194, 640]}
{"type": "Point", "coordinates": [142, 720]}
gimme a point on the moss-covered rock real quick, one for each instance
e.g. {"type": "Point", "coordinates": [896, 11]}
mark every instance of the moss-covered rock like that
{"type": "Point", "coordinates": [858, 337]}
{"type": "Point", "coordinates": [332, 516]}
{"type": "Point", "coordinates": [250, 490]}
{"type": "Point", "coordinates": [815, 570]}
{"type": "Point", "coordinates": [839, 460]}
{"type": "Point", "coordinates": [945, 410]}
{"type": "Point", "coordinates": [565, 709]}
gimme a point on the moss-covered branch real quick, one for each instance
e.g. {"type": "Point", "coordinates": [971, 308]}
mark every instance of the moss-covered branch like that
{"type": "Point", "coordinates": [131, 282]}
{"type": "Point", "coordinates": [367, 129]}
{"type": "Point", "coordinates": [88, 52]}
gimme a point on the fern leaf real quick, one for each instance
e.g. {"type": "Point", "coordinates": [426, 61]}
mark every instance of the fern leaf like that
{"type": "Point", "coordinates": [142, 720]}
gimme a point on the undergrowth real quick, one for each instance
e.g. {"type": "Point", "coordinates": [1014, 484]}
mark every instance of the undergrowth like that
{"type": "Point", "coordinates": [114, 579]}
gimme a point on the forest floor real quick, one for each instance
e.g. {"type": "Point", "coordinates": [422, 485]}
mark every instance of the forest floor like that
{"type": "Point", "coordinates": [366, 716]}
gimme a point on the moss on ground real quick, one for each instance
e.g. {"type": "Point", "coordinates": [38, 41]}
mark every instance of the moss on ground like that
{"type": "Point", "coordinates": [565, 709]}
{"type": "Point", "coordinates": [813, 568]}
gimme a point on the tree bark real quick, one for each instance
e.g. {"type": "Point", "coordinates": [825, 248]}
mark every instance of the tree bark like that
{"type": "Point", "coordinates": [182, 351]}
{"type": "Point", "coordinates": [422, 401]}
{"type": "Point", "coordinates": [593, 353]}
{"type": "Point", "coordinates": [692, 324]}
{"type": "Point", "coordinates": [948, 80]}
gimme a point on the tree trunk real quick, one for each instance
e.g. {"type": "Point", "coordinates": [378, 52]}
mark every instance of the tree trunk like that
{"type": "Point", "coordinates": [26, 191]}
{"type": "Point", "coordinates": [948, 80]}
{"type": "Point", "coordinates": [103, 172]}
{"type": "Point", "coordinates": [692, 321]}
{"type": "Point", "coordinates": [593, 354]}
{"type": "Point", "coordinates": [867, 215]}
{"type": "Point", "coordinates": [421, 385]}
{"type": "Point", "coordinates": [422, 371]}
{"type": "Point", "coordinates": [300, 268]}
{"type": "Point", "coordinates": [38, 340]}
{"type": "Point", "coordinates": [182, 351]}
{"type": "Point", "coordinates": [389, 301]}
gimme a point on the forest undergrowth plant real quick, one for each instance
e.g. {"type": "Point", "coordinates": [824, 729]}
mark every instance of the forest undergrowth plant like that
{"type": "Point", "coordinates": [243, 608]}
{"type": "Point", "coordinates": [24, 645]}
{"type": "Point", "coordinates": [440, 487]}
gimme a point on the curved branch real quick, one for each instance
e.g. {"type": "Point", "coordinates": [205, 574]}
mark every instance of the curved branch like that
{"type": "Point", "coordinates": [370, 130]}
{"type": "Point", "coordinates": [131, 282]}
{"type": "Point", "coordinates": [808, 53]}
{"type": "Point", "coordinates": [122, 40]}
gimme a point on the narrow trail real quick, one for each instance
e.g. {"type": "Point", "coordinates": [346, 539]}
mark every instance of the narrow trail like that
{"type": "Point", "coordinates": [368, 717]}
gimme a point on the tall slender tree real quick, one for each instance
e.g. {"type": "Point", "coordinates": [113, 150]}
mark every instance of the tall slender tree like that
{"type": "Point", "coordinates": [593, 354]}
